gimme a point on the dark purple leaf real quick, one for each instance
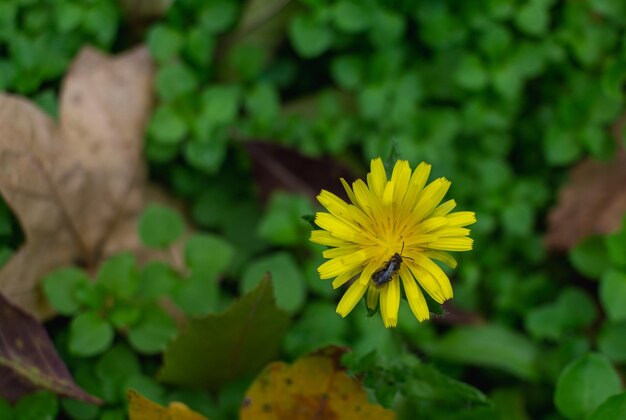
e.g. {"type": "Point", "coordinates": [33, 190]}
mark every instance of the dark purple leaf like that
{"type": "Point", "coordinates": [277, 167]}
{"type": "Point", "coordinates": [28, 359]}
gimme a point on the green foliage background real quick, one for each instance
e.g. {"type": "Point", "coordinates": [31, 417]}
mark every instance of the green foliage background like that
{"type": "Point", "coordinates": [501, 96]}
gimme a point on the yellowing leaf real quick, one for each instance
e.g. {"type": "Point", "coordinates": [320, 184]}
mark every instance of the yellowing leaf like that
{"type": "Point", "coordinates": [141, 408]}
{"type": "Point", "coordinates": [315, 386]}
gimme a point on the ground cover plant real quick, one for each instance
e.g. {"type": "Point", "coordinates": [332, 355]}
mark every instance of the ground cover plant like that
{"type": "Point", "coordinates": [162, 239]}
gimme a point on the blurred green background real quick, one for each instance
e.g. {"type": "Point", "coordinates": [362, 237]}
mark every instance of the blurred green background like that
{"type": "Point", "coordinates": [502, 97]}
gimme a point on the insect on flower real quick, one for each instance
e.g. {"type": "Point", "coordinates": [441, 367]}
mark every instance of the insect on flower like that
{"type": "Point", "coordinates": [387, 272]}
{"type": "Point", "coordinates": [381, 217]}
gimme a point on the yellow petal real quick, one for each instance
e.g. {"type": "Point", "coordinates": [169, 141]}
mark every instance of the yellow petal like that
{"type": "Point", "coordinates": [335, 205]}
{"type": "Point", "coordinates": [431, 224]}
{"type": "Point", "coordinates": [323, 237]}
{"type": "Point", "coordinates": [427, 281]}
{"type": "Point", "coordinates": [448, 232]}
{"type": "Point", "coordinates": [416, 184]}
{"type": "Point", "coordinates": [400, 176]}
{"type": "Point", "coordinates": [444, 208]}
{"type": "Point", "coordinates": [461, 218]}
{"type": "Point", "coordinates": [340, 228]}
{"type": "Point", "coordinates": [361, 193]}
{"type": "Point", "coordinates": [390, 302]}
{"type": "Point", "coordinates": [442, 256]}
{"type": "Point", "coordinates": [372, 266]}
{"type": "Point", "coordinates": [346, 277]}
{"type": "Point", "coordinates": [440, 276]}
{"type": "Point", "coordinates": [372, 297]}
{"type": "Point", "coordinates": [348, 191]}
{"type": "Point", "coordinates": [414, 295]}
{"type": "Point", "coordinates": [351, 298]}
{"type": "Point", "coordinates": [452, 244]}
{"type": "Point", "coordinates": [377, 178]}
{"type": "Point", "coordinates": [340, 251]}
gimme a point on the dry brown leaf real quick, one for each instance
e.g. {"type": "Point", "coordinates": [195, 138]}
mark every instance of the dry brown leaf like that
{"type": "Point", "coordinates": [594, 202]}
{"type": "Point", "coordinates": [78, 185]}
{"type": "Point", "coordinates": [141, 408]}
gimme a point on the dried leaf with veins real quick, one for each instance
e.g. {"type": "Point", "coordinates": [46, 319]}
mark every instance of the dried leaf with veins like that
{"type": "Point", "coordinates": [74, 185]}
{"type": "Point", "coordinates": [594, 202]}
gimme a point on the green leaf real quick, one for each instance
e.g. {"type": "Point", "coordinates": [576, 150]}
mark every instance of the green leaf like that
{"type": "Point", "coordinates": [518, 218]}
{"type": "Point", "coordinates": [489, 346]}
{"type": "Point", "coordinates": [119, 276]}
{"type": "Point", "coordinates": [615, 245]}
{"type": "Point", "coordinates": [198, 295]}
{"type": "Point", "coordinates": [92, 295]}
{"type": "Point", "coordinates": [281, 224]}
{"type": "Point", "coordinates": [157, 279]}
{"type": "Point", "coordinates": [208, 254]}
{"type": "Point", "coordinates": [533, 18]}
{"type": "Point", "coordinates": [200, 47]}
{"type": "Point", "coordinates": [217, 16]}
{"type": "Point", "coordinates": [164, 42]}
{"type": "Point", "coordinates": [351, 16]}
{"type": "Point", "coordinates": [166, 126]}
{"type": "Point", "coordinates": [153, 331]}
{"type": "Point", "coordinates": [612, 341]}
{"type": "Point", "coordinates": [216, 349]}
{"type": "Point", "coordinates": [146, 386]}
{"type": "Point", "coordinates": [614, 77]}
{"type": "Point", "coordinates": [41, 405]}
{"type": "Point", "coordinates": [561, 147]}
{"type": "Point", "coordinates": [590, 257]}
{"type": "Point", "coordinates": [319, 326]}
{"type": "Point", "coordinates": [89, 335]}
{"type": "Point", "coordinates": [174, 80]}
{"type": "Point", "coordinates": [613, 294]}
{"type": "Point", "coordinates": [286, 275]}
{"type": "Point", "coordinates": [206, 156]}
{"type": "Point", "coordinates": [471, 73]}
{"type": "Point", "coordinates": [160, 226]}
{"type": "Point", "coordinates": [424, 382]}
{"type": "Point", "coordinates": [6, 411]}
{"type": "Point", "coordinates": [220, 104]}
{"type": "Point", "coordinates": [60, 288]}
{"type": "Point", "coordinates": [585, 384]}
{"type": "Point", "coordinates": [263, 102]}
{"type": "Point", "coordinates": [247, 61]}
{"type": "Point", "coordinates": [124, 315]}
{"type": "Point", "coordinates": [373, 101]}
{"type": "Point", "coordinates": [113, 370]}
{"type": "Point", "coordinates": [347, 71]}
{"type": "Point", "coordinates": [544, 322]}
{"type": "Point", "coordinates": [611, 409]}
{"type": "Point", "coordinates": [309, 36]}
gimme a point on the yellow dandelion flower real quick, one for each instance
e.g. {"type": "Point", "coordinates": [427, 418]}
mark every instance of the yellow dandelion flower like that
{"type": "Point", "coordinates": [387, 237]}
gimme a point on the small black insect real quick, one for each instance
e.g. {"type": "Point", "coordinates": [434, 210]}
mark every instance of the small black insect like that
{"type": "Point", "coordinates": [386, 273]}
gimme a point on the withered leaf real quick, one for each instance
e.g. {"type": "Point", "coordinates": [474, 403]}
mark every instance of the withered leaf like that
{"type": "Point", "coordinates": [28, 359]}
{"type": "Point", "coordinates": [593, 202]}
{"type": "Point", "coordinates": [314, 386]}
{"type": "Point", "coordinates": [141, 408]}
{"type": "Point", "coordinates": [73, 185]}
{"type": "Point", "coordinates": [277, 167]}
